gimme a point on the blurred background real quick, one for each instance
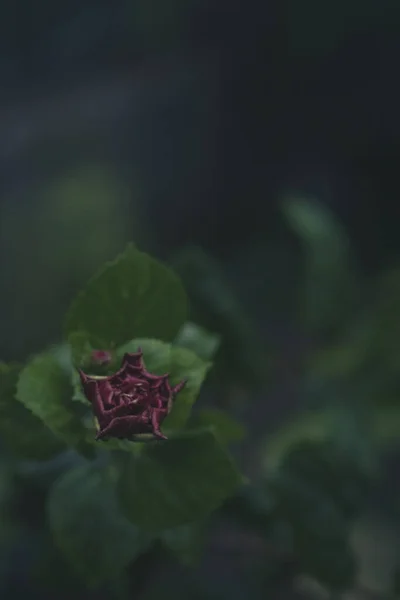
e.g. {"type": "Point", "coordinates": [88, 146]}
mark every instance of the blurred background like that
{"type": "Point", "coordinates": [255, 146]}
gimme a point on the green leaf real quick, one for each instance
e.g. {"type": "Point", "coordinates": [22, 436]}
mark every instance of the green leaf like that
{"type": "Point", "coordinates": [22, 433]}
{"type": "Point", "coordinates": [185, 542]}
{"type": "Point", "coordinates": [45, 389]}
{"type": "Point", "coordinates": [134, 295]}
{"type": "Point", "coordinates": [199, 340]}
{"type": "Point", "coordinates": [88, 528]}
{"type": "Point", "coordinates": [180, 363]}
{"type": "Point", "coordinates": [328, 292]}
{"type": "Point", "coordinates": [77, 393]}
{"type": "Point", "coordinates": [225, 427]}
{"type": "Point", "coordinates": [176, 482]}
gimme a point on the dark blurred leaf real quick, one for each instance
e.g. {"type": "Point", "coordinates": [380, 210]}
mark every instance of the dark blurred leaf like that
{"type": "Point", "coordinates": [386, 313]}
{"type": "Point", "coordinates": [385, 425]}
{"type": "Point", "coordinates": [95, 538]}
{"type": "Point", "coordinates": [329, 287]}
{"type": "Point", "coordinates": [176, 482]}
{"type": "Point", "coordinates": [253, 507]}
{"type": "Point", "coordinates": [134, 295]}
{"type": "Point", "coordinates": [21, 431]}
{"type": "Point", "coordinates": [180, 363]}
{"type": "Point", "coordinates": [199, 340]}
{"type": "Point", "coordinates": [224, 426]}
{"type": "Point", "coordinates": [348, 355]}
{"type": "Point", "coordinates": [383, 429]}
{"type": "Point", "coordinates": [185, 542]}
{"type": "Point", "coordinates": [51, 571]}
{"type": "Point", "coordinates": [328, 469]}
{"type": "Point", "coordinates": [323, 551]}
{"type": "Point", "coordinates": [45, 389]}
{"type": "Point", "coordinates": [216, 307]}
{"type": "Point", "coordinates": [313, 425]}
{"type": "Point", "coordinates": [319, 529]}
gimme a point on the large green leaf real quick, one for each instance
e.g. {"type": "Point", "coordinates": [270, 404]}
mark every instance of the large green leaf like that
{"type": "Point", "coordinates": [328, 292]}
{"type": "Point", "coordinates": [176, 482]}
{"type": "Point", "coordinates": [45, 389]}
{"type": "Point", "coordinates": [180, 363]}
{"type": "Point", "coordinates": [21, 431]}
{"type": "Point", "coordinates": [134, 295]}
{"type": "Point", "coordinates": [88, 527]}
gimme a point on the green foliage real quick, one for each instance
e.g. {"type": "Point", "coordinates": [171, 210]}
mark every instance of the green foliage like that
{"type": "Point", "coordinates": [385, 426]}
{"type": "Point", "coordinates": [347, 355]}
{"type": "Point", "coordinates": [316, 491]}
{"type": "Point", "coordinates": [133, 296]}
{"type": "Point", "coordinates": [88, 527]}
{"type": "Point", "coordinates": [75, 222]}
{"type": "Point", "coordinates": [176, 482]}
{"type": "Point", "coordinates": [385, 319]}
{"type": "Point", "coordinates": [216, 307]}
{"type": "Point", "coordinates": [322, 546]}
{"type": "Point", "coordinates": [199, 340]}
{"type": "Point", "coordinates": [309, 425]}
{"type": "Point", "coordinates": [328, 289]}
{"type": "Point", "coordinates": [23, 433]}
{"type": "Point", "coordinates": [330, 470]}
{"type": "Point", "coordinates": [103, 515]}
{"type": "Point", "coordinates": [317, 470]}
{"type": "Point", "coordinates": [45, 390]}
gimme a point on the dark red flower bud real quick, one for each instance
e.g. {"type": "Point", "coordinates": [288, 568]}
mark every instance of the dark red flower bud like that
{"type": "Point", "coordinates": [132, 401]}
{"type": "Point", "coordinates": [101, 357]}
